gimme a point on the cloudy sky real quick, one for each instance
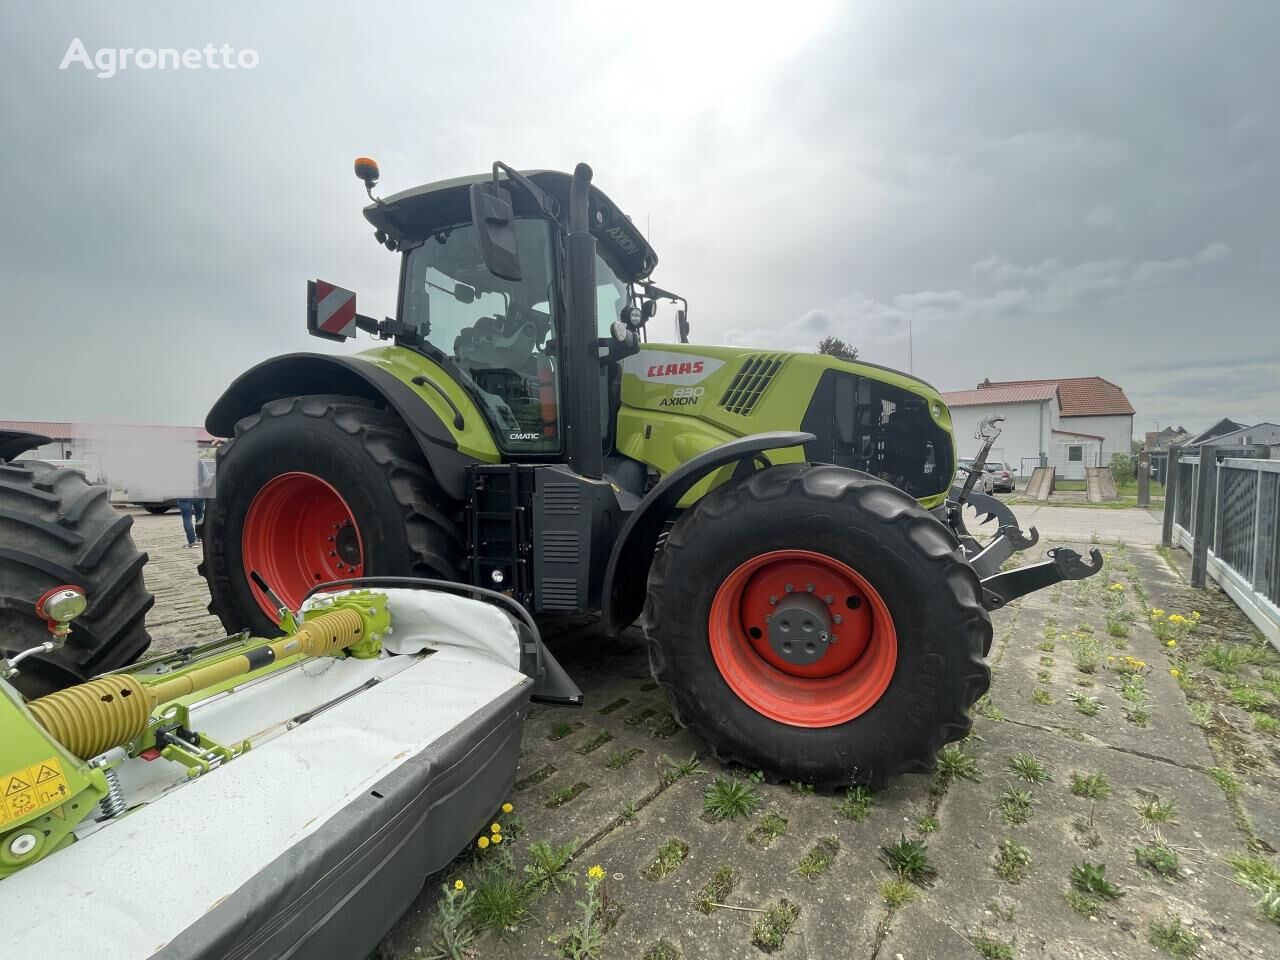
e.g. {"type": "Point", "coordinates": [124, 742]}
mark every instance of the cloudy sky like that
{"type": "Point", "coordinates": [1034, 189]}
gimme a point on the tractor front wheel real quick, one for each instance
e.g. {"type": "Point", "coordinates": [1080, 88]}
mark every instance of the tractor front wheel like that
{"type": "Point", "coordinates": [818, 624]}
{"type": "Point", "coordinates": [320, 488]}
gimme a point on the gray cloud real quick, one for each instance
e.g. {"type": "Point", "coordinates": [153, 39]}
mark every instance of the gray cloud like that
{"type": "Point", "coordinates": [1034, 190]}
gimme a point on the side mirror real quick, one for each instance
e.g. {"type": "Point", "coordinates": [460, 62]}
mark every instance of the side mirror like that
{"type": "Point", "coordinates": [682, 325]}
{"type": "Point", "coordinates": [647, 310]}
{"type": "Point", "coordinates": [464, 293]}
{"type": "Point", "coordinates": [495, 222]}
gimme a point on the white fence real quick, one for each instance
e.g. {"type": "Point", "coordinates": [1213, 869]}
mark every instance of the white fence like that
{"type": "Point", "coordinates": [1231, 528]}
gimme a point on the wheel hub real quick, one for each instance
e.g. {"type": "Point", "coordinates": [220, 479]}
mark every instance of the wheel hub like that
{"type": "Point", "coordinates": [347, 544]}
{"type": "Point", "coordinates": [800, 629]}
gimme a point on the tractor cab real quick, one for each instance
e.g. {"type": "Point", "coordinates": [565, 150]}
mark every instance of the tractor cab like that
{"type": "Point", "coordinates": [500, 328]}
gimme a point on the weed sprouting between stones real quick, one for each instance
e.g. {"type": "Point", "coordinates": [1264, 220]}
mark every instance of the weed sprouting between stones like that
{"type": "Point", "coordinates": [1263, 878]}
{"type": "Point", "coordinates": [717, 889]}
{"type": "Point", "coordinates": [548, 866]}
{"type": "Point", "coordinates": [662, 950]}
{"type": "Point", "coordinates": [770, 930]}
{"type": "Point", "coordinates": [676, 769]}
{"type": "Point", "coordinates": [1225, 779]}
{"type": "Point", "coordinates": [990, 948]}
{"type": "Point", "coordinates": [621, 758]}
{"type": "Point", "coordinates": [729, 798]}
{"type": "Point", "coordinates": [954, 764]}
{"type": "Point", "coordinates": [1091, 878]}
{"type": "Point", "coordinates": [1012, 860]}
{"type": "Point", "coordinates": [594, 744]}
{"type": "Point", "coordinates": [1087, 705]}
{"type": "Point", "coordinates": [1016, 805]}
{"type": "Point", "coordinates": [1041, 696]}
{"type": "Point", "coordinates": [927, 824]}
{"type": "Point", "coordinates": [818, 860]}
{"type": "Point", "coordinates": [1173, 936]}
{"type": "Point", "coordinates": [856, 804]}
{"type": "Point", "coordinates": [561, 730]}
{"type": "Point", "coordinates": [896, 893]}
{"type": "Point", "coordinates": [1026, 766]}
{"type": "Point", "coordinates": [500, 902]}
{"type": "Point", "coordinates": [909, 859]}
{"type": "Point", "coordinates": [1091, 786]}
{"type": "Point", "coordinates": [1153, 808]}
{"type": "Point", "coordinates": [559, 798]}
{"type": "Point", "coordinates": [669, 856]}
{"type": "Point", "coordinates": [1158, 857]}
{"type": "Point", "coordinates": [771, 826]}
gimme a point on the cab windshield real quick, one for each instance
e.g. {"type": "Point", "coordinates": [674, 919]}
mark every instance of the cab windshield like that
{"type": "Point", "coordinates": [496, 331]}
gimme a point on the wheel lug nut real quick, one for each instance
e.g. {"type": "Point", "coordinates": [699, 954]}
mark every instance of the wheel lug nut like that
{"type": "Point", "coordinates": [332, 553]}
{"type": "Point", "coordinates": [809, 588]}
{"type": "Point", "coordinates": [838, 619]}
{"type": "Point", "coordinates": [789, 588]}
{"type": "Point", "coordinates": [828, 599]}
{"type": "Point", "coordinates": [773, 600]}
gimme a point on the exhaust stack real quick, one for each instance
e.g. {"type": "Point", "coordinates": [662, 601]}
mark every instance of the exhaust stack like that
{"type": "Point", "coordinates": [580, 355]}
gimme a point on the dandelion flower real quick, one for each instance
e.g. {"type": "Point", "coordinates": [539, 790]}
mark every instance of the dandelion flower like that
{"type": "Point", "coordinates": [1175, 673]}
{"type": "Point", "coordinates": [495, 828]}
{"type": "Point", "coordinates": [482, 842]}
{"type": "Point", "coordinates": [507, 808]}
{"type": "Point", "coordinates": [1171, 644]}
{"type": "Point", "coordinates": [1117, 586]}
{"type": "Point", "coordinates": [596, 872]}
{"type": "Point", "coordinates": [497, 838]}
{"type": "Point", "coordinates": [459, 885]}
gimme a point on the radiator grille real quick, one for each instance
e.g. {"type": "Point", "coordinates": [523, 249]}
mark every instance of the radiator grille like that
{"type": "Point", "coordinates": [753, 377]}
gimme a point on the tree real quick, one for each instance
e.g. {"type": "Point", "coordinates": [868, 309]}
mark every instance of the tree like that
{"type": "Point", "coordinates": [1122, 468]}
{"type": "Point", "coordinates": [835, 347]}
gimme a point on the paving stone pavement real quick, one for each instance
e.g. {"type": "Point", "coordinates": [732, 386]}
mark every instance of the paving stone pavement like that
{"type": "Point", "coordinates": [599, 779]}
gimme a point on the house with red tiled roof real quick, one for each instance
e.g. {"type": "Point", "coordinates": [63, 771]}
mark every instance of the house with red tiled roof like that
{"type": "Point", "coordinates": [1069, 423]}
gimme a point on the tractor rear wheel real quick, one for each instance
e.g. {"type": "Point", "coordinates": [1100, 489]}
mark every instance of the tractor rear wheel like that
{"type": "Point", "coordinates": [320, 488]}
{"type": "Point", "coordinates": [56, 528]}
{"type": "Point", "coordinates": [817, 623]}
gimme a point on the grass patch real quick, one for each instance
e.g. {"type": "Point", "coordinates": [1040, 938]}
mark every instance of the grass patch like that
{"type": "Point", "coordinates": [662, 950]}
{"type": "Point", "coordinates": [954, 764]}
{"type": "Point", "coordinates": [818, 860]}
{"type": "Point", "coordinates": [729, 798]}
{"type": "Point", "coordinates": [1155, 809]}
{"type": "Point", "coordinates": [927, 824]}
{"type": "Point", "coordinates": [1263, 878]}
{"type": "Point", "coordinates": [1082, 903]}
{"type": "Point", "coordinates": [716, 889]}
{"type": "Point", "coordinates": [1086, 651]}
{"type": "Point", "coordinates": [771, 826]}
{"type": "Point", "coordinates": [1173, 936]}
{"type": "Point", "coordinates": [559, 798]}
{"type": "Point", "coordinates": [895, 893]}
{"type": "Point", "coordinates": [1091, 878]}
{"type": "Point", "coordinates": [1016, 805]}
{"type": "Point", "coordinates": [1012, 861]}
{"type": "Point", "coordinates": [1264, 723]}
{"type": "Point", "coordinates": [548, 866]}
{"type": "Point", "coordinates": [1028, 768]}
{"type": "Point", "coordinates": [674, 770]}
{"type": "Point", "coordinates": [1085, 704]}
{"type": "Point", "coordinates": [1157, 857]}
{"type": "Point", "coordinates": [1047, 646]}
{"type": "Point", "coordinates": [594, 744]}
{"type": "Point", "coordinates": [1047, 661]}
{"type": "Point", "coordinates": [561, 730]}
{"type": "Point", "coordinates": [1091, 786]}
{"type": "Point", "coordinates": [1225, 779]}
{"type": "Point", "coordinates": [670, 855]}
{"type": "Point", "coordinates": [856, 804]}
{"type": "Point", "coordinates": [909, 859]}
{"type": "Point", "coordinates": [1041, 696]}
{"type": "Point", "coordinates": [499, 902]}
{"type": "Point", "coordinates": [638, 717]}
{"type": "Point", "coordinates": [990, 948]}
{"type": "Point", "coordinates": [770, 930]}
{"type": "Point", "coordinates": [1249, 699]}
{"type": "Point", "coordinates": [620, 759]}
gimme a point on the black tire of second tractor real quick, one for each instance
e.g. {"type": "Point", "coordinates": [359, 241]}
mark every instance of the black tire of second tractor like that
{"type": "Point", "coordinates": [910, 558]}
{"type": "Point", "coordinates": [56, 528]}
{"type": "Point", "coordinates": [409, 527]}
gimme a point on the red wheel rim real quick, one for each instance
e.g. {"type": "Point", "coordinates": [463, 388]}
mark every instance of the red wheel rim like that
{"type": "Point", "coordinates": [845, 682]}
{"type": "Point", "coordinates": [299, 532]}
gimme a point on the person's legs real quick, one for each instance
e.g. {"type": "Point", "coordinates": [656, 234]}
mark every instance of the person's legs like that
{"type": "Point", "coordinates": [198, 504]}
{"type": "Point", "coordinates": [187, 509]}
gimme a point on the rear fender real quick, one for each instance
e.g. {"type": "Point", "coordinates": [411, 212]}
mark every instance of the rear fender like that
{"type": "Point", "coordinates": [300, 374]}
{"type": "Point", "coordinates": [632, 554]}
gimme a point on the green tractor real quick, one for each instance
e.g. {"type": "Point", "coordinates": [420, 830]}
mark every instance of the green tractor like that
{"type": "Point", "coordinates": [783, 525]}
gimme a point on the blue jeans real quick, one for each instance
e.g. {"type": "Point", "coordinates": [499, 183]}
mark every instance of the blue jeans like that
{"type": "Point", "coordinates": [192, 509]}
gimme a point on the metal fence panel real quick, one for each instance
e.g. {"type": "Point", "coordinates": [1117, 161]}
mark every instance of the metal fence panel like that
{"type": "Point", "coordinates": [1266, 575]}
{"type": "Point", "coordinates": [1237, 514]}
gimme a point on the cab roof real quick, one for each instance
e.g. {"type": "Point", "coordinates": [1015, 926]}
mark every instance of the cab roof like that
{"type": "Point", "coordinates": [413, 215]}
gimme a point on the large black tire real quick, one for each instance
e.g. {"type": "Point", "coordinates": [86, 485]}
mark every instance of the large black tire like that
{"type": "Point", "coordinates": [56, 528]}
{"type": "Point", "coordinates": [910, 558]}
{"type": "Point", "coordinates": [366, 453]}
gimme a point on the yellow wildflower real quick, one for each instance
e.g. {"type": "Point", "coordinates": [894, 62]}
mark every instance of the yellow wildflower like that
{"type": "Point", "coordinates": [1157, 612]}
{"type": "Point", "coordinates": [1117, 586]}
{"type": "Point", "coordinates": [1177, 618]}
{"type": "Point", "coordinates": [507, 808]}
{"type": "Point", "coordinates": [459, 885]}
{"type": "Point", "coordinates": [497, 838]}
{"type": "Point", "coordinates": [1195, 614]}
{"type": "Point", "coordinates": [1171, 644]}
{"type": "Point", "coordinates": [495, 828]}
{"type": "Point", "coordinates": [482, 842]}
{"type": "Point", "coordinates": [1175, 673]}
{"type": "Point", "coordinates": [596, 872]}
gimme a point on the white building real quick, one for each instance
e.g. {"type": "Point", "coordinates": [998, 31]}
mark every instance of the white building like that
{"type": "Point", "coordinates": [1069, 424]}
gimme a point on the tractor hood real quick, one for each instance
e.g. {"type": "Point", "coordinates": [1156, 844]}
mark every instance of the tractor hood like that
{"type": "Point", "coordinates": [683, 398]}
{"type": "Point", "coordinates": [413, 215]}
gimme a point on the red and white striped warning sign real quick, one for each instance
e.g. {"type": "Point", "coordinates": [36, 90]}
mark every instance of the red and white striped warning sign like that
{"type": "Point", "coordinates": [335, 310]}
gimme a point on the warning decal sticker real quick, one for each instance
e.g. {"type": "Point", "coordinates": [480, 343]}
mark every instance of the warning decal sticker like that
{"type": "Point", "coordinates": [24, 792]}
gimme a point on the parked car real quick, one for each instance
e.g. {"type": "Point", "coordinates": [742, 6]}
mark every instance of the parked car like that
{"type": "Point", "coordinates": [984, 484]}
{"type": "Point", "coordinates": [1001, 475]}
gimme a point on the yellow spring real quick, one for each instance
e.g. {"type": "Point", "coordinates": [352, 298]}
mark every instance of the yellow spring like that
{"type": "Point", "coordinates": [330, 632]}
{"type": "Point", "coordinates": [95, 716]}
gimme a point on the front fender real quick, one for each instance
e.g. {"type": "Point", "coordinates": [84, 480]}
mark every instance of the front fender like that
{"type": "Point", "coordinates": [632, 554]}
{"type": "Point", "coordinates": [301, 374]}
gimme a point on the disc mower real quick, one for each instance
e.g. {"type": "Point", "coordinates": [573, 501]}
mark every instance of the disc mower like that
{"type": "Point", "coordinates": [783, 525]}
{"type": "Point", "coordinates": [256, 797]}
